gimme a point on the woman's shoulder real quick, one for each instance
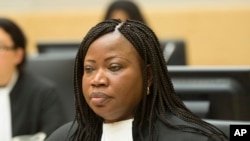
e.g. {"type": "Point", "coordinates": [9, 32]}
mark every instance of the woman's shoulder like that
{"type": "Point", "coordinates": [165, 131]}
{"type": "Point", "coordinates": [64, 132]}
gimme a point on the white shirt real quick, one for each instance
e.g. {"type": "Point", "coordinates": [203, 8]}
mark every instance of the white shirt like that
{"type": "Point", "coordinates": [5, 110]}
{"type": "Point", "coordinates": [118, 131]}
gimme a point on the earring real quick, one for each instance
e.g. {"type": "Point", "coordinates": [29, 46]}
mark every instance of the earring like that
{"type": "Point", "coordinates": [148, 90]}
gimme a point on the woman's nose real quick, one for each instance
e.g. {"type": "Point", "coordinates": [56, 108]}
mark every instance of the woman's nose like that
{"type": "Point", "coordinates": [99, 79]}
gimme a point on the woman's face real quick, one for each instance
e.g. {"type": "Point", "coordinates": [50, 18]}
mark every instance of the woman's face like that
{"type": "Point", "coordinates": [119, 14]}
{"type": "Point", "coordinates": [112, 80]}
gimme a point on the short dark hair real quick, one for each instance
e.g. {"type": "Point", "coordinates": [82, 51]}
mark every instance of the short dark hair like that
{"type": "Point", "coordinates": [16, 35]}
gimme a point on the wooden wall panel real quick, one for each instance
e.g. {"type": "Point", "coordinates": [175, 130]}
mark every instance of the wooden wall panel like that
{"type": "Point", "coordinates": [214, 36]}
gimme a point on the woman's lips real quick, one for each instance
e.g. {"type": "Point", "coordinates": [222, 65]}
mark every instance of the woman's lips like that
{"type": "Point", "coordinates": [99, 98]}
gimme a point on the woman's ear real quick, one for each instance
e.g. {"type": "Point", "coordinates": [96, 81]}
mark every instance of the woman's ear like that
{"type": "Point", "coordinates": [150, 75]}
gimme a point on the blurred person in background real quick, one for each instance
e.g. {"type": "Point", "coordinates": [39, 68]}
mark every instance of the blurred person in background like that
{"type": "Point", "coordinates": [124, 9]}
{"type": "Point", "coordinates": [29, 103]}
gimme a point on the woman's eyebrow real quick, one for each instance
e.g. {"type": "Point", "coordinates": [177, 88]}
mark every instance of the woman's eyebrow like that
{"type": "Point", "coordinates": [113, 57]}
{"type": "Point", "coordinates": [107, 59]}
{"type": "Point", "coordinates": [90, 60]}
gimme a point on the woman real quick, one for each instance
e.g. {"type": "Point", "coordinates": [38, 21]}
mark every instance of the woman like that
{"type": "Point", "coordinates": [124, 9]}
{"type": "Point", "coordinates": [123, 90]}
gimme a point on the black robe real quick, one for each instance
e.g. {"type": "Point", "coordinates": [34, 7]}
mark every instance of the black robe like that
{"type": "Point", "coordinates": [35, 106]}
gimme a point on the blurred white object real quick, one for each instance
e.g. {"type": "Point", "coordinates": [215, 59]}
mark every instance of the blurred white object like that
{"type": "Point", "coordinates": [168, 51]}
{"type": "Point", "coordinates": [36, 137]}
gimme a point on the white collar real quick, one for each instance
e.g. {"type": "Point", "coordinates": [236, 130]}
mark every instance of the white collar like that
{"type": "Point", "coordinates": [5, 109]}
{"type": "Point", "coordinates": [121, 131]}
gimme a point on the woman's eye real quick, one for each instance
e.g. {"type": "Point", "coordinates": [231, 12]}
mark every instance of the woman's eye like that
{"type": "Point", "coordinates": [115, 67]}
{"type": "Point", "coordinates": [88, 69]}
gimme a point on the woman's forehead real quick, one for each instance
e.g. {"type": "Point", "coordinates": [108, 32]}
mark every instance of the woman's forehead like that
{"type": "Point", "coordinates": [112, 44]}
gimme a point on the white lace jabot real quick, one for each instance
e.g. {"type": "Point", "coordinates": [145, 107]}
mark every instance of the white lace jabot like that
{"type": "Point", "coordinates": [118, 131]}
